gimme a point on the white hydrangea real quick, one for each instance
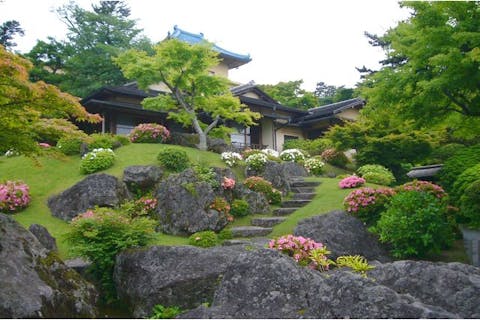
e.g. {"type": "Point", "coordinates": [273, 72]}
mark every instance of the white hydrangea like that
{"type": "Point", "coordinates": [256, 161]}
{"type": "Point", "coordinates": [271, 152]}
{"type": "Point", "coordinates": [94, 152]}
{"type": "Point", "coordinates": [292, 155]}
{"type": "Point", "coordinates": [231, 158]}
{"type": "Point", "coordinates": [11, 153]}
{"type": "Point", "coordinates": [314, 165]}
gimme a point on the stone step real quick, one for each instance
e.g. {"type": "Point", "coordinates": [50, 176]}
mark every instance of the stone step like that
{"type": "Point", "coordinates": [250, 231]}
{"type": "Point", "coordinates": [294, 203]}
{"type": "Point", "coordinates": [284, 211]}
{"type": "Point", "coordinates": [303, 190]}
{"type": "Point", "coordinates": [304, 184]}
{"type": "Point", "coordinates": [267, 222]}
{"type": "Point", "coordinates": [304, 196]}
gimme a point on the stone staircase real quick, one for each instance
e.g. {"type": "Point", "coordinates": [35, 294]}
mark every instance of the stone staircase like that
{"type": "Point", "coordinates": [302, 194]}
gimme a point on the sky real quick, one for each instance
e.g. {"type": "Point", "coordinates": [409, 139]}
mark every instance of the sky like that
{"type": "Point", "coordinates": [288, 40]}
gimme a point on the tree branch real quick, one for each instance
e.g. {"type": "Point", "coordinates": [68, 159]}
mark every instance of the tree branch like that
{"type": "Point", "coordinates": [212, 125]}
{"type": "Point", "coordinates": [465, 108]}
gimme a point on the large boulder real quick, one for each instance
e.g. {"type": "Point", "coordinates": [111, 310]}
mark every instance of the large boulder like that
{"type": "Point", "coordinates": [280, 174]}
{"type": "Point", "coordinates": [171, 276]}
{"type": "Point", "coordinates": [142, 177]}
{"type": "Point", "coordinates": [184, 205]}
{"type": "Point", "coordinates": [42, 235]}
{"type": "Point", "coordinates": [101, 190]}
{"type": "Point", "coordinates": [453, 286]}
{"type": "Point", "coordinates": [35, 283]}
{"type": "Point", "coordinates": [343, 234]}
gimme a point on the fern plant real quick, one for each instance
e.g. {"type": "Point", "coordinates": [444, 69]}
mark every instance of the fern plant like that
{"type": "Point", "coordinates": [356, 263]}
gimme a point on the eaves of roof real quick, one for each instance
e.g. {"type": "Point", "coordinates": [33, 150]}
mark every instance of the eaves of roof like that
{"type": "Point", "coordinates": [274, 106]}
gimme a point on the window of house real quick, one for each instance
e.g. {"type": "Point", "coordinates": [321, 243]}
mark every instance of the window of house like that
{"type": "Point", "coordinates": [287, 137]}
{"type": "Point", "coordinates": [125, 124]}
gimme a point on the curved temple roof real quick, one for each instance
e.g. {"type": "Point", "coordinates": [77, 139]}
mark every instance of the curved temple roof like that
{"type": "Point", "coordinates": [232, 59]}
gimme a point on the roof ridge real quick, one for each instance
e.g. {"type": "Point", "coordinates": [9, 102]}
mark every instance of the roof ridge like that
{"type": "Point", "coordinates": [334, 104]}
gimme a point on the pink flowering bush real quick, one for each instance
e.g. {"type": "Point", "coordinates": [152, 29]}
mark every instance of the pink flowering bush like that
{"type": "Point", "coordinates": [221, 205]}
{"type": "Point", "coordinates": [367, 203]}
{"type": "Point", "coordinates": [258, 184]}
{"type": "Point", "coordinates": [304, 251]}
{"type": "Point", "coordinates": [228, 183]}
{"type": "Point", "coordinates": [351, 182]}
{"type": "Point", "coordinates": [425, 186]}
{"type": "Point", "coordinates": [149, 133]}
{"type": "Point", "coordinates": [14, 196]}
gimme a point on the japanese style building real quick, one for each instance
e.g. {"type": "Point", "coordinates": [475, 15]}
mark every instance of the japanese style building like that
{"type": "Point", "coordinates": [121, 108]}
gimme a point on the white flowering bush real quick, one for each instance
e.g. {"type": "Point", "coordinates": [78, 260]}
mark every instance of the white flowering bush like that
{"type": "Point", "coordinates": [96, 160]}
{"type": "Point", "coordinates": [292, 155]}
{"type": "Point", "coordinates": [256, 161]}
{"type": "Point", "coordinates": [271, 152]}
{"type": "Point", "coordinates": [231, 158]}
{"type": "Point", "coordinates": [314, 166]}
{"type": "Point", "coordinates": [11, 153]}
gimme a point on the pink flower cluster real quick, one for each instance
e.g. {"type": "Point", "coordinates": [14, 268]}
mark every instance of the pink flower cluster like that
{"type": "Point", "coordinates": [351, 182]}
{"type": "Point", "coordinates": [297, 247]}
{"type": "Point", "coordinates": [14, 196]}
{"type": "Point", "coordinates": [419, 185]}
{"type": "Point", "coordinates": [148, 204]}
{"type": "Point", "coordinates": [228, 184]}
{"type": "Point", "coordinates": [44, 145]}
{"type": "Point", "coordinates": [365, 197]}
{"type": "Point", "coordinates": [86, 215]}
{"type": "Point", "coordinates": [149, 132]}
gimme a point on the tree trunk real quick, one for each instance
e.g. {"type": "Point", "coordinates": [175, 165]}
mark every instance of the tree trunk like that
{"type": "Point", "coordinates": [202, 144]}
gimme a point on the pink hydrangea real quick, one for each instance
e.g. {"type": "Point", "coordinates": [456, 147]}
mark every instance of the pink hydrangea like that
{"type": "Point", "coordinates": [14, 196]}
{"type": "Point", "coordinates": [44, 145]}
{"type": "Point", "coordinates": [149, 132]}
{"type": "Point", "coordinates": [365, 197]}
{"type": "Point", "coordinates": [228, 183]}
{"type": "Point", "coordinates": [351, 182]}
{"type": "Point", "coordinates": [297, 247]}
{"type": "Point", "coordinates": [426, 186]}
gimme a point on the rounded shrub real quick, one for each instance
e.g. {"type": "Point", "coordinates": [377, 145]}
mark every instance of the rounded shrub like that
{"type": "Point", "coordinates": [102, 141]}
{"type": "Point", "coordinates": [14, 196]}
{"type": "Point", "coordinates": [314, 166]}
{"type": "Point", "coordinates": [258, 184]}
{"type": "Point", "coordinates": [375, 173]}
{"type": "Point", "coordinates": [231, 158]}
{"type": "Point", "coordinates": [96, 160]}
{"type": "Point", "coordinates": [455, 165]}
{"type": "Point", "coordinates": [292, 155]}
{"type": "Point", "coordinates": [174, 159]}
{"type": "Point", "coordinates": [368, 203]}
{"type": "Point", "coordinates": [149, 133]}
{"type": "Point", "coordinates": [239, 208]}
{"type": "Point", "coordinates": [414, 225]}
{"type": "Point", "coordinates": [256, 161]}
{"type": "Point", "coordinates": [70, 146]}
{"type": "Point", "coordinates": [469, 213]}
{"type": "Point", "coordinates": [335, 158]}
{"type": "Point", "coordinates": [423, 186]}
{"type": "Point", "coordinates": [203, 239]}
{"type": "Point", "coordinates": [463, 181]}
{"type": "Point", "coordinates": [351, 182]}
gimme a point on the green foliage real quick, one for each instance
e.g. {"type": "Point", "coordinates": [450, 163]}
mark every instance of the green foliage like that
{"type": "Point", "coordinates": [314, 166]}
{"type": "Point", "coordinates": [97, 160]}
{"type": "Point", "coordinates": [327, 94]}
{"type": "Point", "coordinates": [52, 130]}
{"type": "Point", "coordinates": [184, 69]}
{"type": "Point", "coordinates": [225, 234]}
{"type": "Point", "coordinates": [291, 94]}
{"type": "Point", "coordinates": [102, 140]}
{"type": "Point", "coordinates": [335, 158]}
{"type": "Point", "coordinates": [8, 30]}
{"type": "Point", "coordinates": [470, 206]}
{"type": "Point", "coordinates": [444, 152]}
{"type": "Point", "coordinates": [312, 147]}
{"type": "Point", "coordinates": [239, 208]}
{"type": "Point", "coordinates": [222, 132]}
{"type": "Point", "coordinates": [173, 159]}
{"type": "Point", "coordinates": [206, 174]}
{"type": "Point", "coordinates": [99, 235]}
{"type": "Point", "coordinates": [463, 181]}
{"type": "Point", "coordinates": [375, 173]}
{"type": "Point", "coordinates": [203, 239]}
{"type": "Point", "coordinates": [454, 166]}
{"type": "Point", "coordinates": [356, 263]}
{"type": "Point", "coordinates": [70, 146]}
{"type": "Point", "coordinates": [161, 312]}
{"type": "Point", "coordinates": [258, 184]}
{"type": "Point", "coordinates": [414, 225]}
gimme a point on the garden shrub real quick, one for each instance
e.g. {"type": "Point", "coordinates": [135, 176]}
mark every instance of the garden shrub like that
{"type": "Point", "coordinates": [455, 165]}
{"type": "Point", "coordinates": [443, 153]}
{"type": "Point", "coordinates": [221, 205]}
{"type": "Point", "coordinates": [232, 159]}
{"type": "Point", "coordinates": [351, 182]}
{"type": "Point", "coordinates": [239, 208]}
{"type": "Point", "coordinates": [464, 180]}
{"type": "Point", "coordinates": [375, 173]}
{"type": "Point", "coordinates": [256, 161]}
{"type": "Point", "coordinates": [314, 166]}
{"type": "Point", "coordinates": [70, 146]}
{"type": "Point", "coordinates": [96, 160]}
{"type": "Point", "coordinates": [52, 130]}
{"type": "Point", "coordinates": [14, 196]}
{"type": "Point", "coordinates": [248, 152]}
{"type": "Point", "coordinates": [120, 140]}
{"type": "Point", "coordinates": [173, 159]}
{"type": "Point", "coordinates": [423, 186]}
{"type": "Point", "coordinates": [225, 234]}
{"type": "Point", "coordinates": [313, 147]}
{"type": "Point", "coordinates": [228, 183]}
{"type": "Point", "coordinates": [335, 158]}
{"type": "Point", "coordinates": [292, 155]}
{"type": "Point", "coordinates": [206, 174]}
{"type": "Point", "coordinates": [469, 213]}
{"type": "Point", "coordinates": [149, 133]}
{"type": "Point", "coordinates": [99, 235]}
{"type": "Point", "coordinates": [414, 225]}
{"type": "Point", "coordinates": [204, 239]}
{"type": "Point", "coordinates": [161, 312]}
{"type": "Point", "coordinates": [367, 203]}
{"type": "Point", "coordinates": [271, 153]}
{"type": "Point", "coordinates": [258, 184]}
{"type": "Point", "coordinates": [144, 206]}
{"type": "Point", "coordinates": [102, 141]}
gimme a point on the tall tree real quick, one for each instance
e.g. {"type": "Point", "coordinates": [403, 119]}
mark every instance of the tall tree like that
{"type": "Point", "coordinates": [85, 58]}
{"type": "Point", "coordinates": [8, 30]}
{"type": "Point", "coordinates": [327, 94]}
{"type": "Point", "coordinates": [432, 65]}
{"type": "Point", "coordinates": [291, 94]}
{"type": "Point", "coordinates": [25, 105]}
{"type": "Point", "coordinates": [196, 98]}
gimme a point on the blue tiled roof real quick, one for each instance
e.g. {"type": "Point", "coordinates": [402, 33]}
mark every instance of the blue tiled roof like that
{"type": "Point", "coordinates": [232, 59]}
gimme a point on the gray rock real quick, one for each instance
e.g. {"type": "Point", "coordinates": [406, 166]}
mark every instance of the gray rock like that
{"type": "Point", "coordinates": [453, 286]}
{"type": "Point", "coordinates": [45, 238]}
{"type": "Point", "coordinates": [184, 139]}
{"type": "Point", "coordinates": [35, 283]}
{"type": "Point", "coordinates": [217, 145]}
{"type": "Point", "coordinates": [79, 264]}
{"type": "Point", "coordinates": [101, 190]}
{"type": "Point", "coordinates": [343, 235]}
{"type": "Point", "coordinates": [142, 177]}
{"type": "Point", "coordinates": [184, 205]}
{"type": "Point", "coordinates": [171, 276]}
{"type": "Point", "coordinates": [280, 174]}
